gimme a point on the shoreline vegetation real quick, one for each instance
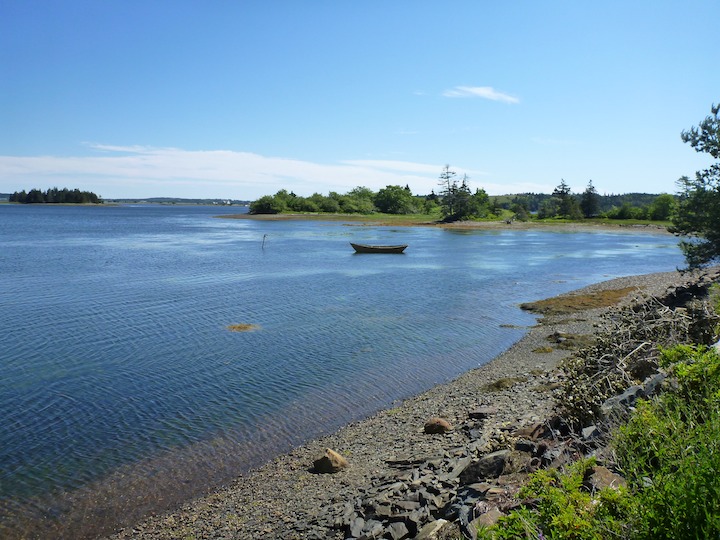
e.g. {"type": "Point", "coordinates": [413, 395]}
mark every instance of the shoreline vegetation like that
{"type": "Point", "coordinates": [453, 460]}
{"type": "Point", "coordinates": [395, 220]}
{"type": "Point", "coordinates": [456, 202]}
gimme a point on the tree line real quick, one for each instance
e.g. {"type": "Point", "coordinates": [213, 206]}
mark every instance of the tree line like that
{"type": "Point", "coordinates": [564, 204]}
{"type": "Point", "coordinates": [55, 196]}
{"type": "Point", "coordinates": [454, 201]}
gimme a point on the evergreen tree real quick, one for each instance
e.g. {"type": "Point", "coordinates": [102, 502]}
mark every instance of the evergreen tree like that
{"type": "Point", "coordinates": [457, 201]}
{"type": "Point", "coordinates": [698, 210]}
{"type": "Point", "coordinates": [35, 196]}
{"type": "Point", "coordinates": [448, 186]}
{"type": "Point", "coordinates": [562, 204]}
{"type": "Point", "coordinates": [569, 207]}
{"type": "Point", "coordinates": [590, 201]}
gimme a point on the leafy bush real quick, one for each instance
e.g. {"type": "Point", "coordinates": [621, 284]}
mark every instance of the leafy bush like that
{"type": "Point", "coordinates": [565, 509]}
{"type": "Point", "coordinates": [266, 205]}
{"type": "Point", "coordinates": [670, 451]}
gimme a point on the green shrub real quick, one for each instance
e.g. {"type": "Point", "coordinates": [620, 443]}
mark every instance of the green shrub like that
{"type": "Point", "coordinates": [670, 451]}
{"type": "Point", "coordinates": [566, 510]}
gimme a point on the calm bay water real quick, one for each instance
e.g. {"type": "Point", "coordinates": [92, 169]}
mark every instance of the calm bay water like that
{"type": "Point", "coordinates": [117, 365]}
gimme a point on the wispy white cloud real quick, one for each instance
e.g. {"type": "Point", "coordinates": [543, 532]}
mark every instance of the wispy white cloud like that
{"type": "Point", "coordinates": [139, 171]}
{"type": "Point", "coordinates": [485, 92]}
{"type": "Point", "coordinates": [115, 171]}
{"type": "Point", "coordinates": [397, 166]}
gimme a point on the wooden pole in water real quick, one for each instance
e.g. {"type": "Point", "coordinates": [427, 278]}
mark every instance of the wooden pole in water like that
{"type": "Point", "coordinates": [263, 244]}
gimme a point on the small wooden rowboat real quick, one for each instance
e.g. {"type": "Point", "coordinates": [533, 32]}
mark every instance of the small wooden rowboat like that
{"type": "Point", "coordinates": [364, 248]}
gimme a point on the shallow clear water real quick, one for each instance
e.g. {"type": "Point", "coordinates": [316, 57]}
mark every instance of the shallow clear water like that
{"type": "Point", "coordinates": [115, 349]}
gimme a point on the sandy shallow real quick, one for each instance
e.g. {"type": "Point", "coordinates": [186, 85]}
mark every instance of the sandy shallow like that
{"type": "Point", "coordinates": [283, 498]}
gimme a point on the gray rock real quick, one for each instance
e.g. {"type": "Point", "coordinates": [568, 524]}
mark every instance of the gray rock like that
{"type": "Point", "coordinates": [431, 530]}
{"type": "Point", "coordinates": [356, 527]}
{"type": "Point", "coordinates": [653, 384]}
{"type": "Point", "coordinates": [373, 528]}
{"type": "Point", "coordinates": [404, 462]}
{"type": "Point", "coordinates": [558, 456]}
{"type": "Point", "coordinates": [408, 505]}
{"type": "Point", "coordinates": [523, 445]}
{"type": "Point", "coordinates": [489, 466]}
{"type": "Point", "coordinates": [471, 494]}
{"type": "Point", "coordinates": [482, 413]}
{"type": "Point", "coordinates": [475, 433]}
{"type": "Point", "coordinates": [398, 530]}
{"type": "Point", "coordinates": [458, 467]}
{"type": "Point", "coordinates": [618, 405]}
{"type": "Point", "coordinates": [383, 510]}
{"type": "Point", "coordinates": [591, 432]}
{"type": "Point", "coordinates": [395, 487]}
{"type": "Point", "coordinates": [488, 519]}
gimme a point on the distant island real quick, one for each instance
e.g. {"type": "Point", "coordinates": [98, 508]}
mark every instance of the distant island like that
{"type": "Point", "coordinates": [177, 200]}
{"type": "Point", "coordinates": [75, 196]}
{"type": "Point", "coordinates": [55, 196]}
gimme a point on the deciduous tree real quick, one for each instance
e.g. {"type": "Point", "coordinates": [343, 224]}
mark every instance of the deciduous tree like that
{"type": "Point", "coordinates": [662, 207]}
{"type": "Point", "coordinates": [395, 200]}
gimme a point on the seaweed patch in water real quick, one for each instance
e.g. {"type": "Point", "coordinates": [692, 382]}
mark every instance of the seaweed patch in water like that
{"type": "Point", "coordinates": [572, 303]}
{"type": "Point", "coordinates": [244, 327]}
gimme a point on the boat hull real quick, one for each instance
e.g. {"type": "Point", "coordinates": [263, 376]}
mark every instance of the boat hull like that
{"type": "Point", "coordinates": [364, 248]}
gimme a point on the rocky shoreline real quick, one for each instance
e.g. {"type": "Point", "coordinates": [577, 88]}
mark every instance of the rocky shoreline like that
{"type": "Point", "coordinates": [405, 478]}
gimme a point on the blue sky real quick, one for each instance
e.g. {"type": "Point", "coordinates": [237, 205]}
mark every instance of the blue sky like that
{"type": "Point", "coordinates": [237, 99]}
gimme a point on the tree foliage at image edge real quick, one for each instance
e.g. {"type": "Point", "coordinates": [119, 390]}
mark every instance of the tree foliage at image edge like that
{"type": "Point", "coordinates": [698, 212]}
